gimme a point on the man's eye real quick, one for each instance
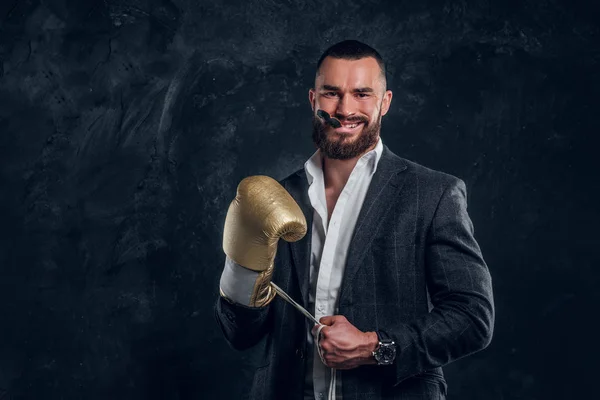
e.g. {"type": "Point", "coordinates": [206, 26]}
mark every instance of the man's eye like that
{"type": "Point", "coordinates": [330, 94]}
{"type": "Point", "coordinates": [363, 95]}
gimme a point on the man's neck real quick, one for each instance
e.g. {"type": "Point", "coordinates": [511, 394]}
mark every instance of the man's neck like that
{"type": "Point", "coordinates": [337, 172]}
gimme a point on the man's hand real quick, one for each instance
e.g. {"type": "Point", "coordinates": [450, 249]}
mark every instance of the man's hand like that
{"type": "Point", "coordinates": [343, 345]}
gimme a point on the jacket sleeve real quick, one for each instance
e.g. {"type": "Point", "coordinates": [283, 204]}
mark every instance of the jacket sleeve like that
{"type": "Point", "coordinates": [243, 326]}
{"type": "Point", "coordinates": [460, 287]}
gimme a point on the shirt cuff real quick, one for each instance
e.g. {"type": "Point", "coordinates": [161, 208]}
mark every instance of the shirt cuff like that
{"type": "Point", "coordinates": [237, 283]}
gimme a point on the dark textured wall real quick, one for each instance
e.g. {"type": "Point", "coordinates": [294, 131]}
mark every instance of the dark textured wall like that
{"type": "Point", "coordinates": [125, 127]}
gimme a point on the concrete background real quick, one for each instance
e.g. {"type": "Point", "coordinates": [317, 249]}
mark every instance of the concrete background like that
{"type": "Point", "coordinates": [125, 127]}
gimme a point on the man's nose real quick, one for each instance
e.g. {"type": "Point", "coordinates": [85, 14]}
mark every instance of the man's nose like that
{"type": "Point", "coordinates": [346, 106]}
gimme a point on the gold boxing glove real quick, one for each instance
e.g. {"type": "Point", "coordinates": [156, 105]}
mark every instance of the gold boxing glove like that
{"type": "Point", "coordinates": [261, 213]}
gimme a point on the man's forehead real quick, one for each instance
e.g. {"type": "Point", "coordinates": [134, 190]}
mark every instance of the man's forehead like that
{"type": "Point", "coordinates": [364, 72]}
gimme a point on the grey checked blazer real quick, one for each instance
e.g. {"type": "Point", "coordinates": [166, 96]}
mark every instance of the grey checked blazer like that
{"type": "Point", "coordinates": [414, 270]}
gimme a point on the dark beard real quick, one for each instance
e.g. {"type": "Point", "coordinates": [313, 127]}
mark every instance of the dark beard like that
{"type": "Point", "coordinates": [333, 147]}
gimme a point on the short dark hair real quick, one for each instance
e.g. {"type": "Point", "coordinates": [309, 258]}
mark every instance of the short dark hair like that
{"type": "Point", "coordinates": [352, 50]}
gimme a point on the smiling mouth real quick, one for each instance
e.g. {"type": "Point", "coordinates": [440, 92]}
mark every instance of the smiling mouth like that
{"type": "Point", "coordinates": [349, 126]}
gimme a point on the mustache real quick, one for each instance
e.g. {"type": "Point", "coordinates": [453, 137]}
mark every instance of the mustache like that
{"type": "Point", "coordinates": [352, 119]}
{"type": "Point", "coordinates": [337, 119]}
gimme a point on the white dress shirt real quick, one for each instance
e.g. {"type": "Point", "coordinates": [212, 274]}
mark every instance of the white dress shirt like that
{"type": "Point", "coordinates": [329, 249]}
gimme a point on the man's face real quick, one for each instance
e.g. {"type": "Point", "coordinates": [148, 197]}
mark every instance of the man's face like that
{"type": "Point", "coordinates": [352, 91]}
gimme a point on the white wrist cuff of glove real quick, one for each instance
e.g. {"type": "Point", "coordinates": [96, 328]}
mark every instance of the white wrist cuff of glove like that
{"type": "Point", "coordinates": [237, 282]}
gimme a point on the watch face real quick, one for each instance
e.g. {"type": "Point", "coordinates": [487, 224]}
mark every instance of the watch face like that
{"type": "Point", "coordinates": [386, 353]}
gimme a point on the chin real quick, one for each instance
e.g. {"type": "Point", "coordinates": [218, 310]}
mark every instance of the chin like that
{"type": "Point", "coordinates": [346, 135]}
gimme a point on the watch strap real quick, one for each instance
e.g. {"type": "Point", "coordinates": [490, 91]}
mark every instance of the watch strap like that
{"type": "Point", "coordinates": [383, 336]}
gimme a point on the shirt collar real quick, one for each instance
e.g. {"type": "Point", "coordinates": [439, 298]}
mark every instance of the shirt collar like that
{"type": "Point", "coordinates": [314, 165]}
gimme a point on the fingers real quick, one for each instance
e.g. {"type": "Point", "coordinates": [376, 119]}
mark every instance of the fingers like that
{"type": "Point", "coordinates": [318, 336]}
{"type": "Point", "coordinates": [339, 327]}
{"type": "Point", "coordinates": [330, 358]}
{"type": "Point", "coordinates": [327, 351]}
{"type": "Point", "coordinates": [332, 319]}
{"type": "Point", "coordinates": [329, 335]}
{"type": "Point", "coordinates": [314, 330]}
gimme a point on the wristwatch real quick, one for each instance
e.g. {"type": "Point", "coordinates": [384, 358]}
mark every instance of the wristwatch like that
{"type": "Point", "coordinates": [385, 353]}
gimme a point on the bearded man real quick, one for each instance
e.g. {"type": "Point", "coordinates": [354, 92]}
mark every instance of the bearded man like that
{"type": "Point", "coordinates": [386, 260]}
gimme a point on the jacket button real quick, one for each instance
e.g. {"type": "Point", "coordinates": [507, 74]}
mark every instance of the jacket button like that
{"type": "Point", "coordinates": [300, 353]}
{"type": "Point", "coordinates": [230, 316]}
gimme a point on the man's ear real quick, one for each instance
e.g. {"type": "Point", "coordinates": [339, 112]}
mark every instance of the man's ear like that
{"type": "Point", "coordinates": [386, 102]}
{"type": "Point", "coordinates": [311, 98]}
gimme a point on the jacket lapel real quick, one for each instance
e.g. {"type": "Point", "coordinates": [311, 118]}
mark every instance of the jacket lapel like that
{"type": "Point", "coordinates": [298, 189]}
{"type": "Point", "coordinates": [383, 192]}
